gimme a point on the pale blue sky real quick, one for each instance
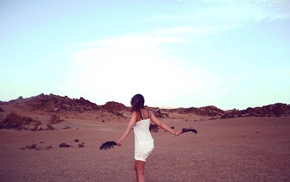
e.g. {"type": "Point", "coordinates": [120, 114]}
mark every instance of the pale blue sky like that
{"type": "Point", "coordinates": [177, 53]}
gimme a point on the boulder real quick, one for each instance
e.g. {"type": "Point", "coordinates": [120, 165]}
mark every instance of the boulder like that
{"type": "Point", "coordinates": [64, 145]}
{"type": "Point", "coordinates": [54, 119]}
{"type": "Point", "coordinates": [14, 121]}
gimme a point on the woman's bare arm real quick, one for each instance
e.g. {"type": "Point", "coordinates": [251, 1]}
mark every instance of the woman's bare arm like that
{"type": "Point", "coordinates": [129, 128]}
{"type": "Point", "coordinates": [162, 125]}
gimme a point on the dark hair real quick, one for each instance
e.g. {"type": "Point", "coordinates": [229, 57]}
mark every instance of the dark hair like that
{"type": "Point", "coordinates": [137, 103]}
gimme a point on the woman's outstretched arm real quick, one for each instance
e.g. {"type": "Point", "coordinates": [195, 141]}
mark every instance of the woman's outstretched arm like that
{"type": "Point", "coordinates": [162, 125]}
{"type": "Point", "coordinates": [129, 128]}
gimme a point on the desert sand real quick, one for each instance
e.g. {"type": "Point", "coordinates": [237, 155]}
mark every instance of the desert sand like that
{"type": "Point", "coordinates": [238, 149]}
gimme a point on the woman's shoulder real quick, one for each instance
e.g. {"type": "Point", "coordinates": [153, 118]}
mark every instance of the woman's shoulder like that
{"type": "Point", "coordinates": [134, 113]}
{"type": "Point", "coordinates": [150, 113]}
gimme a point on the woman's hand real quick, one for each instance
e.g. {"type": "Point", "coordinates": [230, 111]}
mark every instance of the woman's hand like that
{"type": "Point", "coordinates": [119, 143]}
{"type": "Point", "coordinates": [178, 133]}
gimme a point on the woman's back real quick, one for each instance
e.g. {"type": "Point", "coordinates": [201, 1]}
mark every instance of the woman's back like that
{"type": "Point", "coordinates": [141, 130]}
{"type": "Point", "coordinates": [144, 114]}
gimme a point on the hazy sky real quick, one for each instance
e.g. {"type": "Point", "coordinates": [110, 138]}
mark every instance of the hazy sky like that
{"type": "Point", "coordinates": [177, 53]}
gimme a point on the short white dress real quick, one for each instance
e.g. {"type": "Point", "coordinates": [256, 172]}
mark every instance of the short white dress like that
{"type": "Point", "coordinates": [144, 143]}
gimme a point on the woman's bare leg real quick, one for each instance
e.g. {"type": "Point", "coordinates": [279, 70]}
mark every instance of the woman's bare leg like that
{"type": "Point", "coordinates": [139, 168]}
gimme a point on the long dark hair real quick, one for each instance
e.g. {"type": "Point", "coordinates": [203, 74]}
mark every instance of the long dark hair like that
{"type": "Point", "coordinates": [137, 103]}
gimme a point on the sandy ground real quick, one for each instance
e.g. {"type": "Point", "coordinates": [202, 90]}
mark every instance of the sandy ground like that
{"type": "Point", "coordinates": [241, 149]}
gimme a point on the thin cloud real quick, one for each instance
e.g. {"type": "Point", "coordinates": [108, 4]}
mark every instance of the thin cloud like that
{"type": "Point", "coordinates": [201, 30]}
{"type": "Point", "coordinates": [208, 16]}
{"type": "Point", "coordinates": [132, 64]}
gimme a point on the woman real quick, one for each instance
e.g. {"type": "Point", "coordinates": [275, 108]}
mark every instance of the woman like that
{"type": "Point", "coordinates": [144, 144]}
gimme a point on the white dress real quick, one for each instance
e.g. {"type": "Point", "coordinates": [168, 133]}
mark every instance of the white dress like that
{"type": "Point", "coordinates": [144, 143]}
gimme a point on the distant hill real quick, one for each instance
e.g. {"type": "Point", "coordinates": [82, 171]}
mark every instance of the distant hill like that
{"type": "Point", "coordinates": [56, 103]}
{"type": "Point", "coordinates": [273, 110]}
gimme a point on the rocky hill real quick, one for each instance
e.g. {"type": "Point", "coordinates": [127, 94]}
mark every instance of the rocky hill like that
{"type": "Point", "coordinates": [115, 106]}
{"type": "Point", "coordinates": [211, 111]}
{"type": "Point", "coordinates": [58, 106]}
{"type": "Point", "coordinates": [56, 103]}
{"type": "Point", "coordinates": [53, 103]}
{"type": "Point", "coordinates": [53, 107]}
{"type": "Point", "coordinates": [273, 110]}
